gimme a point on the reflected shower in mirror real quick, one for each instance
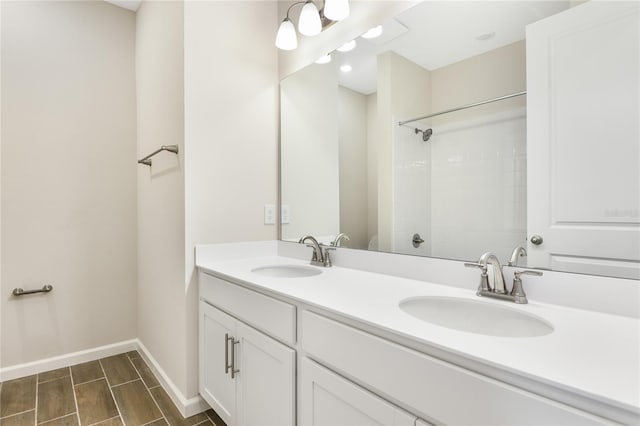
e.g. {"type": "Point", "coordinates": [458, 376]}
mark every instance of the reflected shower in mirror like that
{"type": "Point", "coordinates": [415, 142]}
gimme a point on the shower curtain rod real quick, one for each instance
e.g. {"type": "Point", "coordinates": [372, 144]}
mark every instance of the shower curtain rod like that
{"type": "Point", "coordinates": [488, 101]}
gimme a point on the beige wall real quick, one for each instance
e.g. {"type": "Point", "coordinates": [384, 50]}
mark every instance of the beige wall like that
{"type": "Point", "coordinates": [231, 127]}
{"type": "Point", "coordinates": [373, 136]}
{"type": "Point", "coordinates": [68, 177]}
{"type": "Point", "coordinates": [352, 125]}
{"type": "Point", "coordinates": [161, 224]}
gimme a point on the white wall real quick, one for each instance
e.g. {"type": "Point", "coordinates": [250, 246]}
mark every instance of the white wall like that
{"type": "Point", "coordinates": [403, 91]}
{"type": "Point", "coordinates": [161, 224]}
{"type": "Point", "coordinates": [310, 153]}
{"type": "Point", "coordinates": [231, 133]}
{"type": "Point", "coordinates": [68, 177]}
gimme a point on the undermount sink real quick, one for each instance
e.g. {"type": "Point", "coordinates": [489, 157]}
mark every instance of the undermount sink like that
{"type": "Point", "coordinates": [476, 317]}
{"type": "Point", "coordinates": [287, 271]}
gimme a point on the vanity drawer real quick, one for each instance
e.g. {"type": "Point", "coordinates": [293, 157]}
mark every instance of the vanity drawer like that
{"type": "Point", "coordinates": [265, 313]}
{"type": "Point", "coordinates": [430, 387]}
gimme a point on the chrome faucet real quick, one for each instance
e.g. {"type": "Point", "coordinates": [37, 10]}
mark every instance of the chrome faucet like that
{"type": "Point", "coordinates": [340, 237]}
{"type": "Point", "coordinates": [498, 278]}
{"type": "Point", "coordinates": [517, 252]}
{"type": "Point", "coordinates": [499, 290]}
{"type": "Point", "coordinates": [319, 257]}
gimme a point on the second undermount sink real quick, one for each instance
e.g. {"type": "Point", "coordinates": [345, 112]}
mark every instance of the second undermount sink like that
{"type": "Point", "coordinates": [287, 271]}
{"type": "Point", "coordinates": [476, 317]}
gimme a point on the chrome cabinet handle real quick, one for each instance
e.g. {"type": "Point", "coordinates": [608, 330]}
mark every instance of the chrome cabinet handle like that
{"type": "Point", "coordinates": [536, 240]}
{"type": "Point", "coordinates": [226, 354]}
{"type": "Point", "coordinates": [416, 240]}
{"type": "Point", "coordinates": [233, 358]}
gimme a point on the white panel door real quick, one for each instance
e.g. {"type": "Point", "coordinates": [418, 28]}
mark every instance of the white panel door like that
{"type": "Point", "coordinates": [216, 385]}
{"type": "Point", "coordinates": [330, 400]}
{"type": "Point", "coordinates": [583, 139]}
{"type": "Point", "coordinates": [266, 393]}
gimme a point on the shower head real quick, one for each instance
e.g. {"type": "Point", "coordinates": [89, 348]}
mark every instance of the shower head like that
{"type": "Point", "coordinates": [426, 134]}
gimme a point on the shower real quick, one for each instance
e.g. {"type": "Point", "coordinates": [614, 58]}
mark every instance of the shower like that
{"type": "Point", "coordinates": [426, 134]}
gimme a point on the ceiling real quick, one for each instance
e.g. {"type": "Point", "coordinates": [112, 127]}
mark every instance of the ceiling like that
{"type": "Point", "coordinates": [127, 4]}
{"type": "Point", "coordinates": [434, 34]}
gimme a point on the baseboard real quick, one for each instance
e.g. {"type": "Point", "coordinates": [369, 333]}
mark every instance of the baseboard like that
{"type": "Point", "coordinates": [187, 407]}
{"type": "Point", "coordinates": [66, 360]}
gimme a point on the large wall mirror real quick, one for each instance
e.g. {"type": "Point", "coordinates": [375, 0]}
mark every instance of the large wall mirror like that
{"type": "Point", "coordinates": [458, 128]}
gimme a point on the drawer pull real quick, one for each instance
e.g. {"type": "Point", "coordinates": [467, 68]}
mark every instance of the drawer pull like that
{"type": "Point", "coordinates": [233, 358]}
{"type": "Point", "coordinates": [226, 354]}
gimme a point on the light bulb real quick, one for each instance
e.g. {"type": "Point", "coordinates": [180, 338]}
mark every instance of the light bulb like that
{"type": "Point", "coordinates": [286, 38]}
{"type": "Point", "coordinates": [345, 68]}
{"type": "Point", "coordinates": [347, 47]}
{"type": "Point", "coordinates": [309, 23]}
{"type": "Point", "coordinates": [324, 59]}
{"type": "Point", "coordinates": [336, 10]}
{"type": "Point", "coordinates": [373, 32]}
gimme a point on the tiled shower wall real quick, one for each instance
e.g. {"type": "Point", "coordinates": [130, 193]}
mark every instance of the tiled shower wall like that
{"type": "Point", "coordinates": [464, 190]}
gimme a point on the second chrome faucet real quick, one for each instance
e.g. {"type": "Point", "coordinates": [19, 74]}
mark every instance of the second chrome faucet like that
{"type": "Point", "coordinates": [499, 289]}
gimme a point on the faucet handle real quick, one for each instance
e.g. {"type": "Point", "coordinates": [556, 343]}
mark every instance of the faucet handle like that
{"type": "Point", "coordinates": [484, 286]}
{"type": "Point", "coordinates": [517, 291]}
{"type": "Point", "coordinates": [517, 274]}
{"type": "Point", "coordinates": [327, 258]}
{"type": "Point", "coordinates": [476, 265]}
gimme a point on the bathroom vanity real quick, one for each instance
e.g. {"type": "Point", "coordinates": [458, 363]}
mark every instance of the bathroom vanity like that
{"type": "Point", "coordinates": [283, 342]}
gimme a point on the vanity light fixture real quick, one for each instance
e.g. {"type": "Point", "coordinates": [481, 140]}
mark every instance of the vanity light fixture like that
{"type": "Point", "coordinates": [324, 59]}
{"type": "Point", "coordinates": [311, 21]}
{"type": "Point", "coordinates": [336, 10]}
{"type": "Point", "coordinates": [373, 33]}
{"type": "Point", "coordinates": [347, 47]}
{"type": "Point", "coordinates": [345, 68]}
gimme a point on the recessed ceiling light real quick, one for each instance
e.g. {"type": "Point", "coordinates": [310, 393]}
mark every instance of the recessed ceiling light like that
{"type": "Point", "coordinates": [485, 36]}
{"type": "Point", "coordinates": [324, 59]}
{"type": "Point", "coordinates": [345, 68]}
{"type": "Point", "coordinates": [373, 32]}
{"type": "Point", "coordinates": [347, 46]}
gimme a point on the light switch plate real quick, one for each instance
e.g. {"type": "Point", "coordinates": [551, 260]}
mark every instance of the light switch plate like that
{"type": "Point", "coordinates": [269, 214]}
{"type": "Point", "coordinates": [286, 213]}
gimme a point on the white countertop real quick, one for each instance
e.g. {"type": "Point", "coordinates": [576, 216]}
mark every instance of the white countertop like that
{"type": "Point", "coordinates": [592, 354]}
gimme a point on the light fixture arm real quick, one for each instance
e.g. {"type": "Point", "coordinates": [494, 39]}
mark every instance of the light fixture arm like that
{"type": "Point", "coordinates": [294, 4]}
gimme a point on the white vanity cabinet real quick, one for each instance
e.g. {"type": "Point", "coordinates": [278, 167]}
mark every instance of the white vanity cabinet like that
{"type": "Point", "coordinates": [329, 399]}
{"type": "Point", "coordinates": [246, 376]}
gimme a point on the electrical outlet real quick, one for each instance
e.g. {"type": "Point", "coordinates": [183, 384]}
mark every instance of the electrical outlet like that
{"type": "Point", "coordinates": [286, 213]}
{"type": "Point", "coordinates": [269, 214]}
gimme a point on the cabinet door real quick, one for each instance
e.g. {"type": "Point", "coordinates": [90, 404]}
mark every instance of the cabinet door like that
{"type": "Point", "coordinates": [216, 385]}
{"type": "Point", "coordinates": [328, 399]}
{"type": "Point", "coordinates": [266, 393]}
{"type": "Point", "coordinates": [583, 155]}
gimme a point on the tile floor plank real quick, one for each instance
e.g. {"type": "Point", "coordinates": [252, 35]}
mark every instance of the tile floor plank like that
{"type": "Point", "coordinates": [17, 396]}
{"type": "Point", "coordinates": [55, 399]}
{"type": "Point", "coordinates": [145, 372]}
{"type": "Point", "coordinates": [22, 419]}
{"type": "Point", "coordinates": [170, 411]}
{"type": "Point", "coordinates": [215, 419]}
{"type": "Point", "coordinates": [133, 354]}
{"type": "Point", "coordinates": [53, 374]}
{"type": "Point", "coordinates": [95, 403]}
{"type": "Point", "coordinates": [159, 422]}
{"type": "Point", "coordinates": [86, 372]}
{"type": "Point", "coordinates": [135, 403]}
{"type": "Point", "coordinates": [119, 369]}
{"type": "Point", "coordinates": [116, 421]}
{"type": "Point", "coordinates": [70, 420]}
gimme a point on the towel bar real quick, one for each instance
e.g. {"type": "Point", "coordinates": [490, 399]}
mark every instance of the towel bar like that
{"type": "Point", "coordinates": [147, 160]}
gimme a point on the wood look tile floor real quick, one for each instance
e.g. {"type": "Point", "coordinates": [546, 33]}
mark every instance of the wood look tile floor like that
{"type": "Point", "coordinates": [119, 390]}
